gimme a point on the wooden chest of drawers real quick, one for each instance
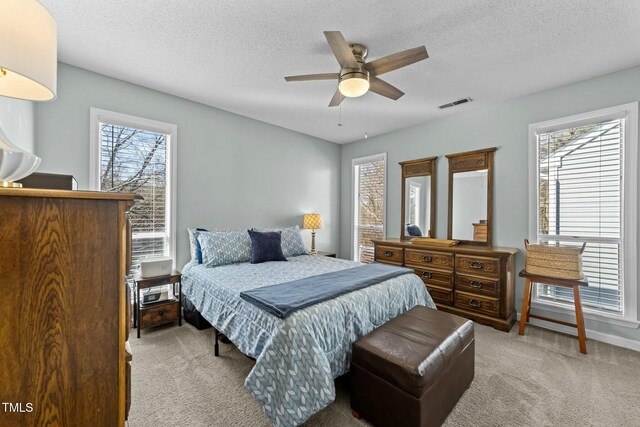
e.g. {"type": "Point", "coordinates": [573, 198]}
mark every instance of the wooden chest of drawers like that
{"type": "Point", "coordinates": [64, 314]}
{"type": "Point", "coordinates": [476, 282]}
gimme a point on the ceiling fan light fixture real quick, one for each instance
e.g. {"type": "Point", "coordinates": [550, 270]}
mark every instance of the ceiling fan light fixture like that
{"type": "Point", "coordinates": [354, 83]}
{"type": "Point", "coordinates": [357, 76]}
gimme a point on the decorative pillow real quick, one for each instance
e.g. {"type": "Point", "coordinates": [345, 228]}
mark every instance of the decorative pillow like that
{"type": "Point", "coordinates": [266, 246]}
{"type": "Point", "coordinates": [224, 247]}
{"type": "Point", "coordinates": [292, 243]}
{"type": "Point", "coordinates": [196, 250]}
{"type": "Point", "coordinates": [414, 230]}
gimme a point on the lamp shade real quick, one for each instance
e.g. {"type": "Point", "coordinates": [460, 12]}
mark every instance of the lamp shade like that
{"type": "Point", "coordinates": [28, 51]}
{"type": "Point", "coordinates": [312, 221]}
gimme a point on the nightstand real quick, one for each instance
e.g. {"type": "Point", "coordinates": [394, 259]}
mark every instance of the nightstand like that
{"type": "Point", "coordinates": [158, 313]}
{"type": "Point", "coordinates": [327, 254]}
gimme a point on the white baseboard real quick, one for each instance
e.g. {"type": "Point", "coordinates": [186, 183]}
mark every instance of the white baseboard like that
{"type": "Point", "coordinates": [591, 334]}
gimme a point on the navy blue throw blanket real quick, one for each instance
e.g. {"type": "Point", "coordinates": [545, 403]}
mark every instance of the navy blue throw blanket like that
{"type": "Point", "coordinates": [283, 299]}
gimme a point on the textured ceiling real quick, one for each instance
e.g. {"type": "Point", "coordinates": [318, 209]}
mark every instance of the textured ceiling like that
{"type": "Point", "coordinates": [234, 54]}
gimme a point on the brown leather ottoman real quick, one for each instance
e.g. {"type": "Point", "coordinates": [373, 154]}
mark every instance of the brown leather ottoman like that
{"type": "Point", "coordinates": [412, 370]}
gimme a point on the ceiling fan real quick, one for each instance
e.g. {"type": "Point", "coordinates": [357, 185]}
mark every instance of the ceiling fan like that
{"type": "Point", "coordinates": [357, 77]}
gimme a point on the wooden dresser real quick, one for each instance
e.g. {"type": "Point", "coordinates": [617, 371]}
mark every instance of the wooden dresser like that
{"type": "Point", "coordinates": [476, 282]}
{"type": "Point", "coordinates": [64, 358]}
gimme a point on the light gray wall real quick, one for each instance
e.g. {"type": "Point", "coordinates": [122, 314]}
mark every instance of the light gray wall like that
{"type": "Point", "coordinates": [233, 172]}
{"type": "Point", "coordinates": [16, 121]}
{"type": "Point", "coordinates": [505, 126]}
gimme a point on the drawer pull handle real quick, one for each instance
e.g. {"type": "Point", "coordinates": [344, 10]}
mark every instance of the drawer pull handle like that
{"type": "Point", "coordinates": [427, 258]}
{"type": "Point", "coordinates": [388, 253]}
{"type": "Point", "coordinates": [475, 284]}
{"type": "Point", "coordinates": [474, 302]}
{"type": "Point", "coordinates": [426, 274]}
{"type": "Point", "coordinates": [478, 265]}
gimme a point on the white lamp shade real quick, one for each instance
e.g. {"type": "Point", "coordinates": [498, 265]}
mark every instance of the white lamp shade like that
{"type": "Point", "coordinates": [28, 51]}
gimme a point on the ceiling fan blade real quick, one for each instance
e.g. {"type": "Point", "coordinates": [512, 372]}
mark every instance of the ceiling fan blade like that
{"type": "Point", "coordinates": [396, 60]}
{"type": "Point", "coordinates": [341, 49]}
{"type": "Point", "coordinates": [337, 99]}
{"type": "Point", "coordinates": [306, 77]}
{"type": "Point", "coordinates": [385, 89]}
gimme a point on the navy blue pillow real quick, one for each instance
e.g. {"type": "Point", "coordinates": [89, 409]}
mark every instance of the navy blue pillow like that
{"type": "Point", "coordinates": [414, 230]}
{"type": "Point", "coordinates": [266, 246]}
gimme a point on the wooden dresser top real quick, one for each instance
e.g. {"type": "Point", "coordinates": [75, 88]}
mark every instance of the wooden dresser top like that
{"type": "Point", "coordinates": [67, 194]}
{"type": "Point", "coordinates": [462, 248]}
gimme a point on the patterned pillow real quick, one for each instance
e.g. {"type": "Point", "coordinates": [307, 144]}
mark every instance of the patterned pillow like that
{"type": "Point", "coordinates": [224, 247]}
{"type": "Point", "coordinates": [292, 243]}
{"type": "Point", "coordinates": [194, 245]}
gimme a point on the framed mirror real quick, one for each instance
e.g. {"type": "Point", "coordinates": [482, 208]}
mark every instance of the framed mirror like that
{"type": "Point", "coordinates": [471, 197]}
{"type": "Point", "coordinates": [418, 198]}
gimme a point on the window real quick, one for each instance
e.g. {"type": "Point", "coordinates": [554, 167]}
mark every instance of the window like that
{"type": "Point", "coordinates": [134, 155]}
{"type": "Point", "coordinates": [369, 182]}
{"type": "Point", "coordinates": [581, 167]}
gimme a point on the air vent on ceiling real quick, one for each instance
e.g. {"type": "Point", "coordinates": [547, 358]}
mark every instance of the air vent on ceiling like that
{"type": "Point", "coordinates": [454, 103]}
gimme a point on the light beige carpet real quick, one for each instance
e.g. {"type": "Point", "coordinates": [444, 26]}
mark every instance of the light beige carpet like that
{"type": "Point", "coordinates": [540, 379]}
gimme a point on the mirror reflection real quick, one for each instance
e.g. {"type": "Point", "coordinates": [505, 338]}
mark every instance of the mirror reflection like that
{"type": "Point", "coordinates": [417, 208]}
{"type": "Point", "coordinates": [470, 205]}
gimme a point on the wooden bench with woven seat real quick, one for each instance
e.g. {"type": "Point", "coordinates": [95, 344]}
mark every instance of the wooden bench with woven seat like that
{"type": "Point", "coordinates": [530, 279]}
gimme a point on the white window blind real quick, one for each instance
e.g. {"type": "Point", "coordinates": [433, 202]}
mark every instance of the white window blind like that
{"type": "Point", "coordinates": [369, 205]}
{"type": "Point", "coordinates": [135, 161]}
{"type": "Point", "coordinates": [580, 182]}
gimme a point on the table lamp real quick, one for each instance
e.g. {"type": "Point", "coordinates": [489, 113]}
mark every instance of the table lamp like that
{"type": "Point", "coordinates": [312, 221]}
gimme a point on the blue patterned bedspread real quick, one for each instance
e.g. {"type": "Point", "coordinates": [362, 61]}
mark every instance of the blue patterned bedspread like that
{"type": "Point", "coordinates": [297, 358]}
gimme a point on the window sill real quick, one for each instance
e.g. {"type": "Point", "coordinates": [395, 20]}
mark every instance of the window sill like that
{"type": "Point", "coordinates": [590, 315]}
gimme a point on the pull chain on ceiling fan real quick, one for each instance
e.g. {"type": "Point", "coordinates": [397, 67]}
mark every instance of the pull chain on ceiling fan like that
{"type": "Point", "coordinates": [357, 77]}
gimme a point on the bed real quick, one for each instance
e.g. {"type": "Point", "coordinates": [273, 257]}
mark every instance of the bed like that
{"type": "Point", "coordinates": [297, 358]}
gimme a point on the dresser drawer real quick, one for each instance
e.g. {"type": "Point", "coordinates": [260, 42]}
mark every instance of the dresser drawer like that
{"type": "Point", "coordinates": [441, 295]}
{"type": "Point", "coordinates": [389, 255]}
{"type": "Point", "coordinates": [477, 265]}
{"type": "Point", "coordinates": [478, 285]}
{"type": "Point", "coordinates": [477, 303]}
{"type": "Point", "coordinates": [435, 277]}
{"type": "Point", "coordinates": [428, 259]}
{"type": "Point", "coordinates": [157, 315]}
